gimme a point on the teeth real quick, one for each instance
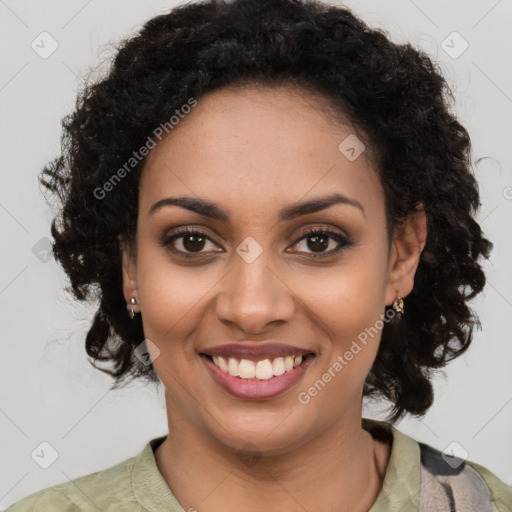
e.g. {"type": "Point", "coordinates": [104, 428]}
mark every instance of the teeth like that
{"type": "Point", "coordinates": [262, 370]}
{"type": "Point", "coordinates": [278, 366]}
{"type": "Point", "coordinates": [233, 366]}
{"type": "Point", "coordinates": [246, 369]}
{"type": "Point", "coordinates": [223, 365]}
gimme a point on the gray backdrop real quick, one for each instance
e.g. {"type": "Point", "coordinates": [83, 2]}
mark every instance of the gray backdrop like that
{"type": "Point", "coordinates": [49, 392]}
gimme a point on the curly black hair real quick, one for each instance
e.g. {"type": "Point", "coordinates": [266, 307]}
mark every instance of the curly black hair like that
{"type": "Point", "coordinates": [391, 93]}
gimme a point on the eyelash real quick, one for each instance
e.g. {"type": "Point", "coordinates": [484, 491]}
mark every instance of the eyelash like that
{"type": "Point", "coordinates": [183, 232]}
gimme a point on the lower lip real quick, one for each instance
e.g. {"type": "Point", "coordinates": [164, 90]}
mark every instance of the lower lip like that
{"type": "Point", "coordinates": [256, 389]}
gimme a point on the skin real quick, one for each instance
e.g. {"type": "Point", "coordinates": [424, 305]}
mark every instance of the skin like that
{"type": "Point", "coordinates": [254, 151]}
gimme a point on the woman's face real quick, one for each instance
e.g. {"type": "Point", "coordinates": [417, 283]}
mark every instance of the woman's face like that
{"type": "Point", "coordinates": [252, 278]}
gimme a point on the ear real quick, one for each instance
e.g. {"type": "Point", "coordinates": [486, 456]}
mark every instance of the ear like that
{"type": "Point", "coordinates": [406, 247]}
{"type": "Point", "coordinates": [129, 269]}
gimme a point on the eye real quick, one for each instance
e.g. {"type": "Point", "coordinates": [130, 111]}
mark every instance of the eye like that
{"type": "Point", "coordinates": [319, 239]}
{"type": "Point", "coordinates": [192, 242]}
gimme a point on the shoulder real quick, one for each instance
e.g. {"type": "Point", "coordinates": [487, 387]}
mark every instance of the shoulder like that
{"type": "Point", "coordinates": [501, 493]}
{"type": "Point", "coordinates": [460, 484]}
{"type": "Point", "coordinates": [96, 491]}
{"type": "Point", "coordinates": [46, 499]}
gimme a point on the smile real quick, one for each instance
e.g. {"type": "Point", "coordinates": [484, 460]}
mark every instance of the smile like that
{"type": "Point", "coordinates": [260, 379]}
{"type": "Point", "coordinates": [264, 369]}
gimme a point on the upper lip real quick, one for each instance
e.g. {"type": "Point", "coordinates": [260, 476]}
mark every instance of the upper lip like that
{"type": "Point", "coordinates": [256, 352]}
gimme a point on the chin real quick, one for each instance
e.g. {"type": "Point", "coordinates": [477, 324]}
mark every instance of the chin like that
{"type": "Point", "coordinates": [272, 438]}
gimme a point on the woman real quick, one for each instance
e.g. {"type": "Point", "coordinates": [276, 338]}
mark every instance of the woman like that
{"type": "Point", "coordinates": [275, 209]}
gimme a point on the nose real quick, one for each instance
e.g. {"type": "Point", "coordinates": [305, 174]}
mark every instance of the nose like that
{"type": "Point", "coordinates": [254, 296]}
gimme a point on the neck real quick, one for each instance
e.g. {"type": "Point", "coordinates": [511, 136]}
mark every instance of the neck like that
{"type": "Point", "coordinates": [341, 469]}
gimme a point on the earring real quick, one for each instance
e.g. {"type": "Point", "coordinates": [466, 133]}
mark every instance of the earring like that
{"type": "Point", "coordinates": [132, 312]}
{"type": "Point", "coordinates": [398, 305]}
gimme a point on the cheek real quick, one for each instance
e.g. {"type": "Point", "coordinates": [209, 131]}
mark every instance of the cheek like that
{"type": "Point", "coordinates": [347, 303]}
{"type": "Point", "coordinates": [348, 297]}
{"type": "Point", "coordinates": [171, 295]}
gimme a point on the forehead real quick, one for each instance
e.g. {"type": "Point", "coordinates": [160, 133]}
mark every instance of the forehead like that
{"type": "Point", "coordinates": [258, 148]}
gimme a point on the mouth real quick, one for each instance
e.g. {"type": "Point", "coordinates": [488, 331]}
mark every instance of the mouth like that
{"type": "Point", "coordinates": [257, 379]}
{"type": "Point", "coordinates": [262, 369]}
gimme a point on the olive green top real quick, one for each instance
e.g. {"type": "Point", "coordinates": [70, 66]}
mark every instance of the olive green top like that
{"type": "Point", "coordinates": [418, 478]}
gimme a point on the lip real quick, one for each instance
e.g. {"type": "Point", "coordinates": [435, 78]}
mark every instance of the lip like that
{"type": "Point", "coordinates": [256, 389]}
{"type": "Point", "coordinates": [256, 352]}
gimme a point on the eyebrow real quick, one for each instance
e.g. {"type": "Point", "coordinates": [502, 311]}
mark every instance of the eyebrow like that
{"type": "Point", "coordinates": [209, 209]}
